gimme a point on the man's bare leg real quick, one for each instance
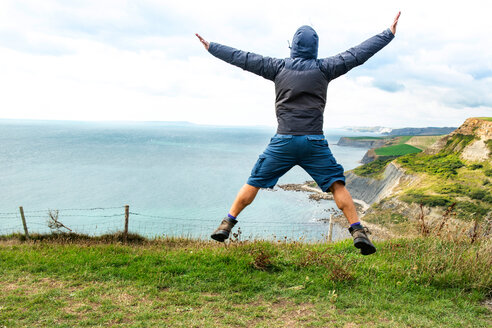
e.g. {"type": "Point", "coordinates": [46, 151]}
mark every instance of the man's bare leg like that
{"type": "Point", "coordinates": [344, 201]}
{"type": "Point", "coordinates": [346, 204]}
{"type": "Point", "coordinates": [244, 197]}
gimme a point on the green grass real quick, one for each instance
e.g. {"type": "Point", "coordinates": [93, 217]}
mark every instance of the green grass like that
{"type": "Point", "coordinates": [184, 283]}
{"type": "Point", "coordinates": [489, 145]}
{"type": "Point", "coordinates": [423, 142]}
{"type": "Point", "coordinates": [485, 118]}
{"type": "Point", "coordinates": [442, 164]}
{"type": "Point", "coordinates": [418, 197]}
{"type": "Point", "coordinates": [403, 139]}
{"type": "Point", "coordinates": [373, 169]}
{"type": "Point", "coordinates": [457, 143]}
{"type": "Point", "coordinates": [397, 150]}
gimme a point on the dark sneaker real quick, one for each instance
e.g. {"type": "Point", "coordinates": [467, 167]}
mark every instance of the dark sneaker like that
{"type": "Point", "coordinates": [224, 229]}
{"type": "Point", "coordinates": [361, 240]}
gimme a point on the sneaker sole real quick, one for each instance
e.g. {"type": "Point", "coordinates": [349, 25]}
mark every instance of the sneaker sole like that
{"type": "Point", "coordinates": [220, 235]}
{"type": "Point", "coordinates": [364, 246]}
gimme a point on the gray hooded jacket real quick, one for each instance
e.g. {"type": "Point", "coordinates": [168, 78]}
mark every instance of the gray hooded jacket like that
{"type": "Point", "coordinates": [301, 81]}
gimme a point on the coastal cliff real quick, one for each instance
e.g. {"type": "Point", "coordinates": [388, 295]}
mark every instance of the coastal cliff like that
{"type": "Point", "coordinates": [446, 188]}
{"type": "Point", "coordinates": [475, 140]}
{"type": "Point", "coordinates": [372, 190]}
{"type": "Point", "coordinates": [428, 131]}
{"type": "Point", "coordinates": [369, 156]}
{"type": "Point", "coordinates": [361, 142]}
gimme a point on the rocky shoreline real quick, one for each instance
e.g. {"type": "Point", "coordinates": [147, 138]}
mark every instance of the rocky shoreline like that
{"type": "Point", "coordinates": [316, 194]}
{"type": "Point", "coordinates": [365, 192]}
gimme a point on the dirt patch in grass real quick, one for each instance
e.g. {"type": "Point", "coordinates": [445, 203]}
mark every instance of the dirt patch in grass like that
{"type": "Point", "coordinates": [282, 313]}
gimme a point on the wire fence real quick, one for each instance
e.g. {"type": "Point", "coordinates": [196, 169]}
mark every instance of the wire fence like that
{"type": "Point", "coordinates": [106, 220]}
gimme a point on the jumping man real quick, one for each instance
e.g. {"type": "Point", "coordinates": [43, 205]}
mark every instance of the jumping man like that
{"type": "Point", "coordinates": [301, 83]}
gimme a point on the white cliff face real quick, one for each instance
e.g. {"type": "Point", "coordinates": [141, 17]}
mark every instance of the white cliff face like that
{"type": "Point", "coordinates": [372, 190]}
{"type": "Point", "coordinates": [476, 151]}
{"type": "Point", "coordinates": [361, 143]}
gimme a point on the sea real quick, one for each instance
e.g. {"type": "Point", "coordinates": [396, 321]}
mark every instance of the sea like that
{"type": "Point", "coordinates": [177, 178]}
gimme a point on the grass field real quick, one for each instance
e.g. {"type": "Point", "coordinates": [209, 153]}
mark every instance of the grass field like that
{"type": "Point", "coordinates": [422, 142]}
{"type": "Point", "coordinates": [404, 139]}
{"type": "Point", "coordinates": [183, 283]}
{"type": "Point", "coordinates": [397, 150]}
{"type": "Point", "coordinates": [485, 118]}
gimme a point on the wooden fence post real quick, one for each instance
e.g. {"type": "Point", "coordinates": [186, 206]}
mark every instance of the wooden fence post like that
{"type": "Point", "coordinates": [24, 222]}
{"type": "Point", "coordinates": [127, 214]}
{"type": "Point", "coordinates": [330, 228]}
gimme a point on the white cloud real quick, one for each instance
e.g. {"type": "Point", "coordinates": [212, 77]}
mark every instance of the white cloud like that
{"type": "Point", "coordinates": [139, 60]}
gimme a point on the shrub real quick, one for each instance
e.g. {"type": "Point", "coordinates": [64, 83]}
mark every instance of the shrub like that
{"type": "Point", "coordinates": [475, 166]}
{"type": "Point", "coordinates": [373, 169]}
{"type": "Point", "coordinates": [440, 164]}
{"type": "Point", "coordinates": [489, 145]}
{"type": "Point", "coordinates": [452, 189]}
{"type": "Point", "coordinates": [470, 211]}
{"type": "Point", "coordinates": [478, 194]}
{"type": "Point", "coordinates": [426, 200]}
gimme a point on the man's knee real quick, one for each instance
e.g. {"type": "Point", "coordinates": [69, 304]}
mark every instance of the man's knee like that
{"type": "Point", "coordinates": [336, 186]}
{"type": "Point", "coordinates": [248, 194]}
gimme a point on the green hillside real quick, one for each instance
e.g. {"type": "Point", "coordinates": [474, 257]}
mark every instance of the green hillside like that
{"type": "Point", "coordinates": [451, 181]}
{"type": "Point", "coordinates": [446, 181]}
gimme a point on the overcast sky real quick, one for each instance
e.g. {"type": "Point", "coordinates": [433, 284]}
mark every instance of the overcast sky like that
{"type": "Point", "coordinates": [140, 60]}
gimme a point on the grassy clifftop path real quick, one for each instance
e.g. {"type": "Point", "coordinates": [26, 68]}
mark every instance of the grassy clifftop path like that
{"type": "Point", "coordinates": [422, 282]}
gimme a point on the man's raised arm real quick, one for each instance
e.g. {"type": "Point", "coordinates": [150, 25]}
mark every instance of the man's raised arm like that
{"type": "Point", "coordinates": [343, 62]}
{"type": "Point", "coordinates": [264, 66]}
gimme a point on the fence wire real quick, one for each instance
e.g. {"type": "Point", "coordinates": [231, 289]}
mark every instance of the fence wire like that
{"type": "Point", "coordinates": [106, 220]}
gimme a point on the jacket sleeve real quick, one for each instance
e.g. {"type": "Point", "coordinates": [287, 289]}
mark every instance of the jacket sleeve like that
{"type": "Point", "coordinates": [343, 62]}
{"type": "Point", "coordinates": [254, 63]}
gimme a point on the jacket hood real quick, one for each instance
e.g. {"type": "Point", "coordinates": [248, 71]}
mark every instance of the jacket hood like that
{"type": "Point", "coordinates": [304, 43]}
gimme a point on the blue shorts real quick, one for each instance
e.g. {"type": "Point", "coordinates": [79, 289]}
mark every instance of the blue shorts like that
{"type": "Point", "coordinates": [311, 152]}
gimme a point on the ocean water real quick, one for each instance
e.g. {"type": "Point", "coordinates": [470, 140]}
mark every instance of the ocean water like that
{"type": "Point", "coordinates": [178, 179]}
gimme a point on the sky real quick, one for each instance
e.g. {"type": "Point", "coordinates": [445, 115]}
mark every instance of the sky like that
{"type": "Point", "coordinates": [140, 60]}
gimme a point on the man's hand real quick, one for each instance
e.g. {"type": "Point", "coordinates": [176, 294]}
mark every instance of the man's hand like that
{"type": "Point", "coordinates": [393, 26]}
{"type": "Point", "coordinates": [206, 44]}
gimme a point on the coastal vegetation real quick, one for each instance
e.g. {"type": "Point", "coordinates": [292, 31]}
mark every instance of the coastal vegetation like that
{"type": "Point", "coordinates": [451, 181]}
{"type": "Point", "coordinates": [423, 142]}
{"type": "Point", "coordinates": [442, 164]}
{"type": "Point", "coordinates": [397, 150]}
{"type": "Point", "coordinates": [444, 181]}
{"type": "Point", "coordinates": [67, 281]}
{"type": "Point", "coordinates": [403, 139]}
{"type": "Point", "coordinates": [489, 145]}
{"type": "Point", "coordinates": [373, 169]}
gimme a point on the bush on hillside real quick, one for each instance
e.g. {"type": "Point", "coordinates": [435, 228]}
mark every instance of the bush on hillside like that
{"type": "Point", "coordinates": [373, 169]}
{"type": "Point", "coordinates": [445, 165]}
{"type": "Point", "coordinates": [426, 200]}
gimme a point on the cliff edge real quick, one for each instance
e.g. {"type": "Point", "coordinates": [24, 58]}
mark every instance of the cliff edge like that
{"type": "Point", "coordinates": [479, 131]}
{"type": "Point", "coordinates": [373, 190]}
